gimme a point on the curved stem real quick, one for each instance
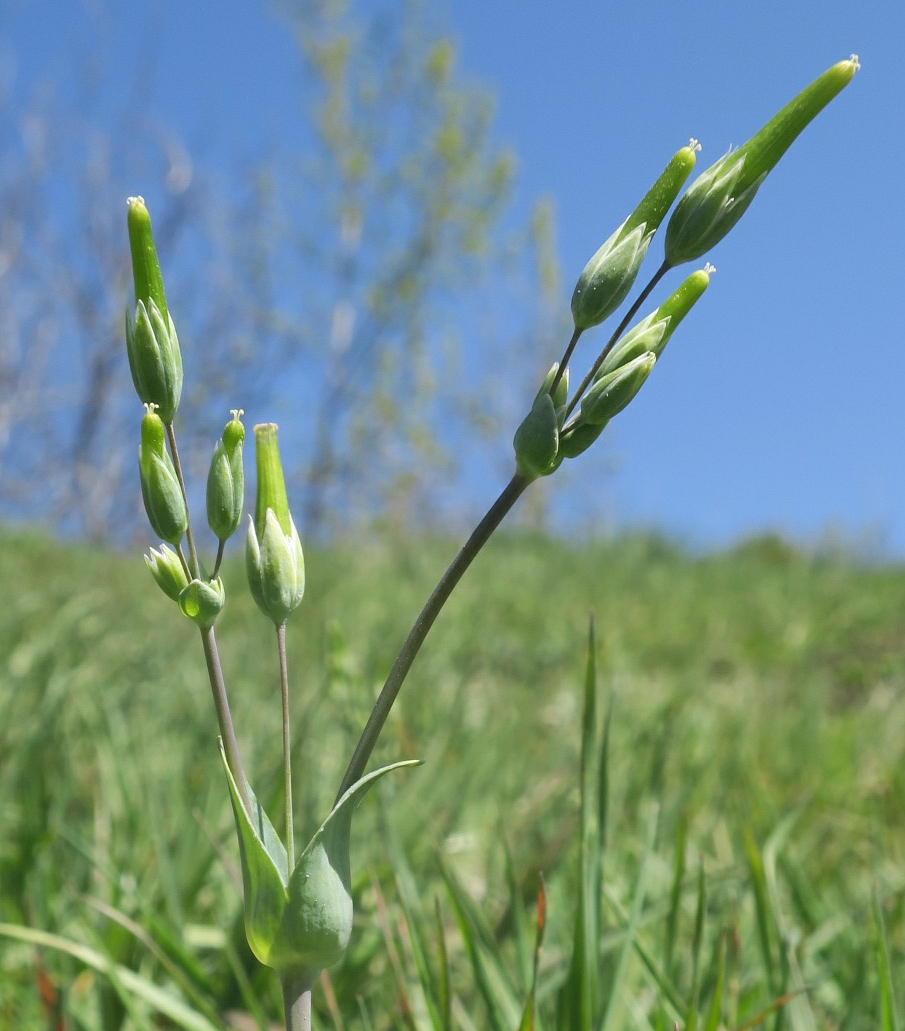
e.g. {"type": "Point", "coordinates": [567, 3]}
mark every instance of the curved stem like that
{"type": "Point", "coordinates": [287, 744]}
{"type": "Point", "coordinates": [422, 625]}
{"type": "Point", "coordinates": [620, 329]}
{"type": "Point", "coordinates": [224, 718]}
{"type": "Point", "coordinates": [297, 1002]}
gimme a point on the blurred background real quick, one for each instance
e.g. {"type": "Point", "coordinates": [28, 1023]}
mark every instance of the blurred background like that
{"type": "Point", "coordinates": [371, 216]}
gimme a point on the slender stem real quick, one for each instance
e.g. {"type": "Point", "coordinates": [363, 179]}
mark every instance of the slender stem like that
{"type": "Point", "coordinates": [620, 329]}
{"type": "Point", "coordinates": [224, 719]}
{"type": "Point", "coordinates": [195, 568]}
{"type": "Point", "coordinates": [422, 625]}
{"type": "Point", "coordinates": [564, 361]}
{"type": "Point", "coordinates": [219, 559]}
{"type": "Point", "coordinates": [287, 743]}
{"type": "Point", "coordinates": [297, 1001]}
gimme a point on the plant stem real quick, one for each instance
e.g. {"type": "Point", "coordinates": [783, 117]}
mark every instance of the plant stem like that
{"type": "Point", "coordinates": [297, 1001]}
{"type": "Point", "coordinates": [564, 361]}
{"type": "Point", "coordinates": [195, 568]}
{"type": "Point", "coordinates": [620, 329]}
{"type": "Point", "coordinates": [479, 537]}
{"type": "Point", "coordinates": [287, 743]}
{"type": "Point", "coordinates": [224, 719]}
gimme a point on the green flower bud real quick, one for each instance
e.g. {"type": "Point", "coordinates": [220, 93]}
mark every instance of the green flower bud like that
{"type": "Point", "coordinates": [653, 332]}
{"type": "Point", "coordinates": [202, 601]}
{"type": "Point", "coordinates": [167, 571]}
{"type": "Point", "coordinates": [151, 342]}
{"type": "Point", "coordinates": [273, 552]}
{"type": "Point", "coordinates": [610, 394]}
{"type": "Point", "coordinates": [718, 198]}
{"type": "Point", "coordinates": [536, 441]}
{"type": "Point", "coordinates": [160, 488]}
{"type": "Point", "coordinates": [609, 275]}
{"type": "Point", "coordinates": [226, 480]}
{"type": "Point", "coordinates": [578, 436]}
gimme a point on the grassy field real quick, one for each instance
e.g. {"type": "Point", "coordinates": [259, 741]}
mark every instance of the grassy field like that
{"type": "Point", "coordinates": [756, 736]}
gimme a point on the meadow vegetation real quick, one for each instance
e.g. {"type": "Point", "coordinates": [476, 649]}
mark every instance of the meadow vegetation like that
{"type": "Point", "coordinates": [757, 707]}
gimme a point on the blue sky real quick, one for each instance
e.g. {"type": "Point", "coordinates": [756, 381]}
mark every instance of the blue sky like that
{"type": "Point", "coordinates": [778, 406]}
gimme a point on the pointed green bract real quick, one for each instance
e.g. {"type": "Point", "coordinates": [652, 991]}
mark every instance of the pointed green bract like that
{"type": "Point", "coordinates": [202, 601]}
{"type": "Point", "coordinates": [609, 275]}
{"type": "Point", "coordinates": [718, 198]}
{"type": "Point", "coordinates": [160, 489]}
{"type": "Point", "coordinates": [536, 441]}
{"type": "Point", "coordinates": [300, 922]}
{"type": "Point", "coordinates": [167, 570]}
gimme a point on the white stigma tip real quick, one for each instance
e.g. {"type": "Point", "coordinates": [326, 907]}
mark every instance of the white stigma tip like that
{"type": "Point", "coordinates": [236, 412]}
{"type": "Point", "coordinates": [855, 61]}
{"type": "Point", "coordinates": [694, 145]}
{"type": "Point", "coordinates": [709, 269]}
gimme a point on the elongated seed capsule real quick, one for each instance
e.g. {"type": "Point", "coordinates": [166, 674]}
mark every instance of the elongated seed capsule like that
{"type": "Point", "coordinates": [608, 276]}
{"type": "Point", "coordinates": [145, 266]}
{"type": "Point", "coordinates": [718, 198]}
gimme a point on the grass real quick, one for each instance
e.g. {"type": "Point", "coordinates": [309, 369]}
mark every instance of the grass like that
{"type": "Point", "coordinates": [757, 707]}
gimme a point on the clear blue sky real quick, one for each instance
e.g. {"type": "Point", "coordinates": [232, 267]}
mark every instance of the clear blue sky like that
{"type": "Point", "coordinates": [778, 406]}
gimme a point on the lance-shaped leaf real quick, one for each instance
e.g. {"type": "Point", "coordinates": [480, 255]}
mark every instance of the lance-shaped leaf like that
{"type": "Point", "coordinates": [300, 923]}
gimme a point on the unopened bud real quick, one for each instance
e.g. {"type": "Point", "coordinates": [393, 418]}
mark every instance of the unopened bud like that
{"type": "Point", "coordinates": [155, 360]}
{"type": "Point", "coordinates": [610, 394]}
{"type": "Point", "coordinates": [273, 552]}
{"type": "Point", "coordinates": [609, 275]}
{"type": "Point", "coordinates": [718, 198]}
{"type": "Point", "coordinates": [226, 480]}
{"type": "Point", "coordinates": [160, 489]}
{"type": "Point", "coordinates": [652, 333]}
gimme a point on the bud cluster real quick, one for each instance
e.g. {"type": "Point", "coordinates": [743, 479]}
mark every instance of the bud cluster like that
{"type": "Point", "coordinates": [707, 211]}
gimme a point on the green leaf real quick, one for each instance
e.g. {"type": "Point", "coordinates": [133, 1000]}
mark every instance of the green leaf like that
{"type": "Point", "coordinates": [159, 998]}
{"type": "Point", "coordinates": [301, 922]}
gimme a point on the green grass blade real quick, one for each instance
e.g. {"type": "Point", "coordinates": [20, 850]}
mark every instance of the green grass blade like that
{"type": "Point", "coordinates": [612, 1003]}
{"type": "Point", "coordinates": [762, 907]}
{"type": "Point", "coordinates": [528, 1021]}
{"type": "Point", "coordinates": [675, 895]}
{"type": "Point", "coordinates": [697, 945]}
{"type": "Point", "coordinates": [502, 1009]}
{"type": "Point", "coordinates": [889, 1018]}
{"type": "Point", "coordinates": [716, 1003]}
{"type": "Point", "coordinates": [161, 1000]}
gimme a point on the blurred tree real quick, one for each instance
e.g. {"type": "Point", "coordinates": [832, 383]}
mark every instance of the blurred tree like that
{"type": "Point", "coordinates": [325, 283]}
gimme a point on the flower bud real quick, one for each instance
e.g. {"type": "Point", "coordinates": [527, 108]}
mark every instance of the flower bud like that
{"type": "Point", "coordinates": [160, 487]}
{"type": "Point", "coordinates": [610, 394]}
{"type": "Point", "coordinates": [653, 332]}
{"type": "Point", "coordinates": [202, 601]}
{"type": "Point", "coordinates": [273, 552]}
{"type": "Point", "coordinates": [167, 571]}
{"type": "Point", "coordinates": [536, 441]}
{"type": "Point", "coordinates": [226, 480]}
{"type": "Point", "coordinates": [718, 198]}
{"type": "Point", "coordinates": [151, 342]}
{"type": "Point", "coordinates": [609, 275]}
{"type": "Point", "coordinates": [578, 436]}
